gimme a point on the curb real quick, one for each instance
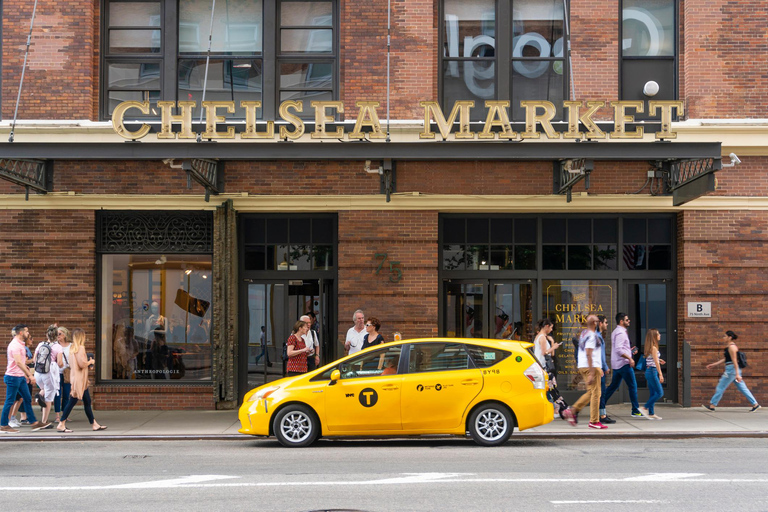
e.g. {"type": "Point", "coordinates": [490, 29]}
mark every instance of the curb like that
{"type": "Point", "coordinates": [588, 435]}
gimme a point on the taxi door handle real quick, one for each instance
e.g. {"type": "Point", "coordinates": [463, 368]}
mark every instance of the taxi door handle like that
{"type": "Point", "coordinates": [389, 386]}
{"type": "Point", "coordinates": [470, 381]}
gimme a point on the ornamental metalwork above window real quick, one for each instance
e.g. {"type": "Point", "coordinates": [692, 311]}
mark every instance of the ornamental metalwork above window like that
{"type": "Point", "coordinates": [148, 232]}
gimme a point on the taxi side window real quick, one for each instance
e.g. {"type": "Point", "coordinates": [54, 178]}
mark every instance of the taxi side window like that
{"type": "Point", "coordinates": [372, 364]}
{"type": "Point", "coordinates": [485, 357]}
{"type": "Point", "coordinates": [437, 357]}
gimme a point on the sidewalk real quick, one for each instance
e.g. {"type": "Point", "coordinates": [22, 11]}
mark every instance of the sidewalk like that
{"type": "Point", "coordinates": [146, 425]}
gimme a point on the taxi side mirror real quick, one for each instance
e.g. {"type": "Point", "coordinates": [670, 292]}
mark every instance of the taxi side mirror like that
{"type": "Point", "coordinates": [335, 376]}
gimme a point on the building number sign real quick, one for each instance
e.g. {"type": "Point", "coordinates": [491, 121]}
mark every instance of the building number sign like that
{"type": "Point", "coordinates": [394, 267]}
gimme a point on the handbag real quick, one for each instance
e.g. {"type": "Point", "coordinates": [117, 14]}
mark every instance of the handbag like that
{"type": "Point", "coordinates": [549, 363]}
{"type": "Point", "coordinates": [640, 366]}
{"type": "Point", "coordinates": [66, 370]}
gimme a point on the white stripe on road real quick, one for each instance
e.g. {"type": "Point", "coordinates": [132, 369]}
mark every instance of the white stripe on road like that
{"type": "Point", "coordinates": [581, 502]}
{"type": "Point", "coordinates": [199, 481]}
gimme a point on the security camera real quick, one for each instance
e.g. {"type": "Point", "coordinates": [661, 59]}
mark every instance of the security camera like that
{"type": "Point", "coordinates": [734, 160]}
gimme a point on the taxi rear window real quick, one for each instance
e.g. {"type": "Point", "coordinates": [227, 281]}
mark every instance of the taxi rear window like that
{"type": "Point", "coordinates": [485, 357]}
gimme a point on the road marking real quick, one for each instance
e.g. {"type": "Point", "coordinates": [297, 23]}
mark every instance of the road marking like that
{"type": "Point", "coordinates": [200, 481]}
{"type": "Point", "coordinates": [580, 502]}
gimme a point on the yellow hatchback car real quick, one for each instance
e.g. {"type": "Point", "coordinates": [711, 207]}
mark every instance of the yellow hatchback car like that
{"type": "Point", "coordinates": [424, 386]}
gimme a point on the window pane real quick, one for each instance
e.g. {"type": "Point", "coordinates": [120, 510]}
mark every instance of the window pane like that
{"type": "Point", "coordinates": [477, 231]}
{"type": "Point", "coordinates": [437, 357]}
{"type": "Point", "coordinates": [306, 98]}
{"type": "Point", "coordinates": [237, 26]}
{"type": "Point", "coordinates": [300, 231]}
{"type": "Point", "coordinates": [525, 257]}
{"type": "Point", "coordinates": [502, 257]}
{"type": "Point", "coordinates": [277, 257]}
{"type": "Point", "coordinates": [134, 75]}
{"type": "Point", "coordinates": [322, 231]}
{"type": "Point", "coordinates": [579, 231]}
{"type": "Point", "coordinates": [453, 230]}
{"type": "Point", "coordinates": [470, 28]}
{"type": "Point", "coordinates": [306, 40]}
{"type": "Point", "coordinates": [659, 231]}
{"type": "Point", "coordinates": [606, 230]}
{"type": "Point", "coordinates": [306, 75]}
{"type": "Point", "coordinates": [539, 24]}
{"type": "Point", "coordinates": [228, 80]}
{"type": "Point", "coordinates": [579, 257]}
{"type": "Point", "coordinates": [634, 257]}
{"type": "Point", "coordinates": [453, 257]}
{"type": "Point", "coordinates": [277, 230]}
{"type": "Point", "coordinates": [469, 80]}
{"type": "Point", "coordinates": [485, 357]}
{"type": "Point", "coordinates": [157, 325]}
{"type": "Point", "coordinates": [553, 231]}
{"type": "Point", "coordinates": [553, 257]}
{"type": "Point", "coordinates": [659, 257]}
{"type": "Point", "coordinates": [605, 257]}
{"type": "Point", "coordinates": [255, 257]}
{"type": "Point", "coordinates": [648, 28]}
{"type": "Point", "coordinates": [372, 364]}
{"type": "Point", "coordinates": [301, 14]}
{"type": "Point", "coordinates": [134, 14]}
{"type": "Point", "coordinates": [299, 257]}
{"type": "Point", "coordinates": [537, 80]}
{"type": "Point", "coordinates": [634, 231]}
{"type": "Point", "coordinates": [134, 41]}
{"type": "Point", "coordinates": [323, 257]}
{"type": "Point", "coordinates": [117, 97]}
{"type": "Point", "coordinates": [254, 231]}
{"type": "Point", "coordinates": [477, 257]}
{"type": "Point", "coordinates": [501, 231]}
{"type": "Point", "coordinates": [525, 231]}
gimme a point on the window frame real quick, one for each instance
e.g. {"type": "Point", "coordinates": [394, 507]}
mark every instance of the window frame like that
{"type": "Point", "coordinates": [502, 58]}
{"type": "Point", "coordinates": [169, 57]}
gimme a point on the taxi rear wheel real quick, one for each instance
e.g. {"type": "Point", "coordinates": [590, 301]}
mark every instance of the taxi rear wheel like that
{"type": "Point", "coordinates": [296, 426]}
{"type": "Point", "coordinates": [491, 425]}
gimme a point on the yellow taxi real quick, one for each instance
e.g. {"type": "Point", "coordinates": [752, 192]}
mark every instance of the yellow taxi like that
{"type": "Point", "coordinates": [483, 388]}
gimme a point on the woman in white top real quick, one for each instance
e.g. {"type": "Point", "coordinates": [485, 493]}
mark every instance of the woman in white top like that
{"type": "Point", "coordinates": [542, 346]}
{"type": "Point", "coordinates": [65, 387]}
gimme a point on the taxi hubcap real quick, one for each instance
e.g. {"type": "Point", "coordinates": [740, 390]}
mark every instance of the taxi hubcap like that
{"type": "Point", "coordinates": [296, 426]}
{"type": "Point", "coordinates": [491, 424]}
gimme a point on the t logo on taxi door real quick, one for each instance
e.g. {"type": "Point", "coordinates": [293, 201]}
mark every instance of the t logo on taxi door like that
{"type": "Point", "coordinates": [368, 397]}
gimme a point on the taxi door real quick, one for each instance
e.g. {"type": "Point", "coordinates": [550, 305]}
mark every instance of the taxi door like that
{"type": "Point", "coordinates": [367, 397]}
{"type": "Point", "coordinates": [439, 386]}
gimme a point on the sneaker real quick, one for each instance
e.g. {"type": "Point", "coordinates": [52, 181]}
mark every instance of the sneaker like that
{"type": "Point", "coordinates": [607, 420]}
{"type": "Point", "coordinates": [637, 414]}
{"type": "Point", "coordinates": [8, 430]}
{"type": "Point", "coordinates": [597, 425]}
{"type": "Point", "coordinates": [644, 412]}
{"type": "Point", "coordinates": [569, 417]}
{"type": "Point", "coordinates": [14, 423]}
{"type": "Point", "coordinates": [708, 407]}
{"type": "Point", "coordinates": [755, 407]}
{"type": "Point", "coordinates": [38, 425]}
{"type": "Point", "coordinates": [654, 417]}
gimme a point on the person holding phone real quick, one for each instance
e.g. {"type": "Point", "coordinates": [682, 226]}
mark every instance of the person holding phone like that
{"type": "Point", "coordinates": [79, 365]}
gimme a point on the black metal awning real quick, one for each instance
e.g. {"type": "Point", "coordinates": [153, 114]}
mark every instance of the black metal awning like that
{"type": "Point", "coordinates": [353, 150]}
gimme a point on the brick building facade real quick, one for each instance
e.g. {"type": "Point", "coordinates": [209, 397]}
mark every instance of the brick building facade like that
{"type": "Point", "coordinates": [67, 258]}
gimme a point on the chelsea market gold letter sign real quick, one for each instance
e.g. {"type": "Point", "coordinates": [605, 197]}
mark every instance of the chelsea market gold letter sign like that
{"type": "Point", "coordinates": [497, 125]}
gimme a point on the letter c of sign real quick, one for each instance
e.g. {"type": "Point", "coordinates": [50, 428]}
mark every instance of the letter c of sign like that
{"type": "Point", "coordinates": [119, 113]}
{"type": "Point", "coordinates": [368, 397]}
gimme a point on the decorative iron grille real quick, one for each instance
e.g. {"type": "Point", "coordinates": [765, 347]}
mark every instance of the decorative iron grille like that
{"type": "Point", "coordinates": [155, 232]}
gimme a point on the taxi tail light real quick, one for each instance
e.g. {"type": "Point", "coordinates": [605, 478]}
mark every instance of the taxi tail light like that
{"type": "Point", "coordinates": [536, 375]}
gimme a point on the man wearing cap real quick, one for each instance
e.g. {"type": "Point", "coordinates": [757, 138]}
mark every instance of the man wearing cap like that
{"type": "Point", "coordinates": [17, 375]}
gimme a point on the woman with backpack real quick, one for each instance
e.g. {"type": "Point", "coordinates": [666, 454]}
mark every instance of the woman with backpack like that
{"type": "Point", "coordinates": [47, 372]}
{"type": "Point", "coordinates": [79, 363]}
{"type": "Point", "coordinates": [734, 362]}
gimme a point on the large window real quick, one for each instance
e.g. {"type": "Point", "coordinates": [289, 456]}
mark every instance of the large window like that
{"type": "Point", "coordinates": [150, 56]}
{"type": "Point", "coordinates": [156, 296]}
{"type": "Point", "coordinates": [506, 50]}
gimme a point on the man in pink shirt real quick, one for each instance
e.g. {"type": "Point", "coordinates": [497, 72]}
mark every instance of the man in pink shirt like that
{"type": "Point", "coordinates": [17, 375]}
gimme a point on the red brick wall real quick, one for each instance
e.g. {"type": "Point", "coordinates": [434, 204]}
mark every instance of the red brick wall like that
{"type": "Point", "coordinates": [721, 260]}
{"type": "Point", "coordinates": [153, 398]}
{"type": "Point", "coordinates": [408, 306]}
{"type": "Point", "coordinates": [61, 73]}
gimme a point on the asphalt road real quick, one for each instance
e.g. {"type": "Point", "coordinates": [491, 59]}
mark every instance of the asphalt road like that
{"type": "Point", "coordinates": [400, 475]}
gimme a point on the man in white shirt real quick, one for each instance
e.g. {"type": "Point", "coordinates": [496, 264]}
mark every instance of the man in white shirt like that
{"type": "Point", "coordinates": [356, 333]}
{"type": "Point", "coordinates": [310, 340]}
{"type": "Point", "coordinates": [590, 368]}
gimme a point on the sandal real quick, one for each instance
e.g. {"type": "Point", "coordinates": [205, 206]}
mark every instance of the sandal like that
{"type": "Point", "coordinates": [65, 431]}
{"type": "Point", "coordinates": [102, 427]}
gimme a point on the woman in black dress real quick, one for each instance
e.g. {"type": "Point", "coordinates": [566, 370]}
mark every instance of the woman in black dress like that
{"type": "Point", "coordinates": [372, 337]}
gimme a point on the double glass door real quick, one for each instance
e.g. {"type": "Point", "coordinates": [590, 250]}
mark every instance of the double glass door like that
{"type": "Point", "coordinates": [484, 308]}
{"type": "Point", "coordinates": [272, 309]}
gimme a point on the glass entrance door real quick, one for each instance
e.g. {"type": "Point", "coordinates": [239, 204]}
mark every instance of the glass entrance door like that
{"type": "Point", "coordinates": [647, 304]}
{"type": "Point", "coordinates": [488, 309]}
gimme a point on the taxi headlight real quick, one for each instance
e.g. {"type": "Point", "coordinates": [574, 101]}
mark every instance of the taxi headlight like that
{"type": "Point", "coordinates": [263, 393]}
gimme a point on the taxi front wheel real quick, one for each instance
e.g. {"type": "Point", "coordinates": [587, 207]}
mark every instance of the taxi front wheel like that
{"type": "Point", "coordinates": [491, 425]}
{"type": "Point", "coordinates": [296, 426]}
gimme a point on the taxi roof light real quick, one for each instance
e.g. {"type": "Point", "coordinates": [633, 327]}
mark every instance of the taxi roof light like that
{"type": "Point", "coordinates": [536, 375]}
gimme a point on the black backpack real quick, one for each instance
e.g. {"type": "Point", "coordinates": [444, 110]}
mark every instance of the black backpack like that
{"type": "Point", "coordinates": [741, 358]}
{"type": "Point", "coordinates": [43, 358]}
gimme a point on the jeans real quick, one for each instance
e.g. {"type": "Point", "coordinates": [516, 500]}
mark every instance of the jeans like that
{"type": "Point", "coordinates": [730, 376]}
{"type": "Point", "coordinates": [65, 388]}
{"type": "Point", "coordinates": [591, 397]}
{"type": "Point", "coordinates": [627, 373]}
{"type": "Point", "coordinates": [654, 387]}
{"type": "Point", "coordinates": [602, 394]}
{"type": "Point", "coordinates": [14, 386]}
{"type": "Point", "coordinates": [86, 405]}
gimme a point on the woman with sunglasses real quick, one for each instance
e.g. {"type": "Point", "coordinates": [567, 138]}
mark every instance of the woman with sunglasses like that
{"type": "Point", "coordinates": [372, 337]}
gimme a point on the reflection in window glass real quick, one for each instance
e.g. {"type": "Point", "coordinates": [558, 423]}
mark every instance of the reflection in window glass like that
{"type": "Point", "coordinates": [579, 257]}
{"type": "Point", "coordinates": [464, 311]}
{"type": "Point", "coordinates": [659, 257]}
{"type": "Point", "coordinates": [634, 257]}
{"type": "Point", "coordinates": [502, 257]}
{"type": "Point", "coordinates": [306, 75]}
{"type": "Point", "coordinates": [237, 26]}
{"type": "Point", "coordinates": [437, 357]}
{"type": "Point", "coordinates": [134, 14]}
{"type": "Point", "coordinates": [485, 357]}
{"type": "Point", "coordinates": [453, 257]}
{"type": "Point", "coordinates": [298, 14]}
{"type": "Point", "coordinates": [648, 28]}
{"type": "Point", "coordinates": [470, 28]}
{"type": "Point", "coordinates": [605, 257]}
{"type": "Point", "coordinates": [553, 257]}
{"type": "Point", "coordinates": [228, 80]}
{"type": "Point", "coordinates": [372, 364]}
{"type": "Point", "coordinates": [134, 41]}
{"type": "Point", "coordinates": [525, 257]}
{"type": "Point", "coordinates": [156, 317]}
{"type": "Point", "coordinates": [469, 80]}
